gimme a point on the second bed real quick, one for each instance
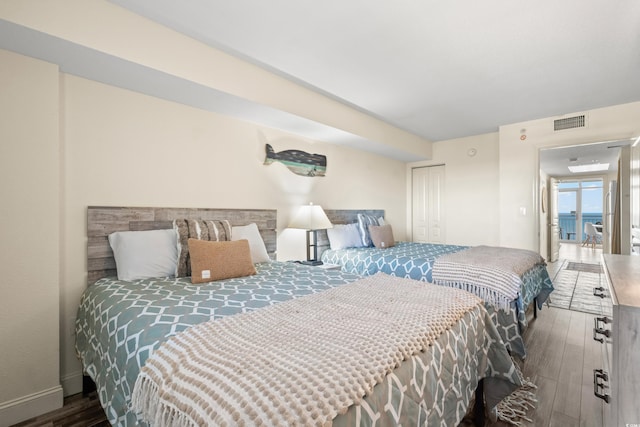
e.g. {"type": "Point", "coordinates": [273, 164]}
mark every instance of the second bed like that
{"type": "Point", "coordinates": [507, 303]}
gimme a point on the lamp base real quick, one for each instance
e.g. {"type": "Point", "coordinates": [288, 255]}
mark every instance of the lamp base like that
{"type": "Point", "coordinates": [311, 262]}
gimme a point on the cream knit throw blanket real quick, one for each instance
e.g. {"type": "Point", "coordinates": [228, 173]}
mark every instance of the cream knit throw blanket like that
{"type": "Point", "coordinates": [494, 274]}
{"type": "Point", "coordinates": [299, 362]}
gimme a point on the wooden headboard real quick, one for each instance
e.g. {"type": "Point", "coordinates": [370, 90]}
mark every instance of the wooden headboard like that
{"type": "Point", "coordinates": [343, 216]}
{"type": "Point", "coordinates": [102, 221]}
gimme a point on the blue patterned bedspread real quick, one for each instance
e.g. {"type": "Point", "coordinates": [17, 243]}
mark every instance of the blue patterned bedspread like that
{"type": "Point", "coordinates": [415, 261]}
{"type": "Point", "coordinates": [405, 259]}
{"type": "Point", "coordinates": [120, 324]}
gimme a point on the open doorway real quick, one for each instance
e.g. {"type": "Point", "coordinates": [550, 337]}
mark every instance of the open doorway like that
{"type": "Point", "coordinates": [581, 181]}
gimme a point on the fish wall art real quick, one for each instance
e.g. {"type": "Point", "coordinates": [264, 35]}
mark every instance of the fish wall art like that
{"type": "Point", "coordinates": [298, 162]}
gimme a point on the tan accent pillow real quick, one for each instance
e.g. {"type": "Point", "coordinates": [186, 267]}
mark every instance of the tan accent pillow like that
{"type": "Point", "coordinates": [382, 236]}
{"type": "Point", "coordinates": [219, 260]}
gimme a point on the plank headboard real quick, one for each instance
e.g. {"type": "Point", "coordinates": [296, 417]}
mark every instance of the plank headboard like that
{"type": "Point", "coordinates": [343, 216]}
{"type": "Point", "coordinates": [104, 220]}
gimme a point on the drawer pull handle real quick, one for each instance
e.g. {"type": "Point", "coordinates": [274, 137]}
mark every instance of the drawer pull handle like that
{"type": "Point", "coordinates": [598, 330]}
{"type": "Point", "coordinates": [599, 292]}
{"type": "Point", "coordinates": [597, 375]}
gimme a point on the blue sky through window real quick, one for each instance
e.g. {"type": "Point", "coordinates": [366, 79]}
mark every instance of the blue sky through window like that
{"type": "Point", "coordinates": [591, 196]}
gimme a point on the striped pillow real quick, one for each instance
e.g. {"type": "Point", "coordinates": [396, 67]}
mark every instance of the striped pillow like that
{"type": "Point", "coordinates": [364, 221]}
{"type": "Point", "coordinates": [209, 230]}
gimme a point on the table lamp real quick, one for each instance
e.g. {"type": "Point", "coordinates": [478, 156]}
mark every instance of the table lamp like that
{"type": "Point", "coordinates": [311, 218]}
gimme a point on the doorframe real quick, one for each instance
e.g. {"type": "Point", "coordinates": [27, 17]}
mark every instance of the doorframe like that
{"type": "Point", "coordinates": [605, 184]}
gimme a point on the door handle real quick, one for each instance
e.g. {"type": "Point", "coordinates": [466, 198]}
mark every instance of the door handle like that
{"type": "Point", "coordinates": [599, 374]}
{"type": "Point", "coordinates": [597, 330]}
{"type": "Point", "coordinates": [599, 292]}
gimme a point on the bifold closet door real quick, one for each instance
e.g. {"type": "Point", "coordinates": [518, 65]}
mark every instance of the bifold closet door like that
{"type": "Point", "coordinates": [428, 204]}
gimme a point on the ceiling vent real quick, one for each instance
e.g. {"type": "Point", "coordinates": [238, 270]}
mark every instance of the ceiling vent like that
{"type": "Point", "coordinates": [569, 123]}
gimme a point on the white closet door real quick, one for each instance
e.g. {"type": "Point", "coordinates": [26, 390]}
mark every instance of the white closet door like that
{"type": "Point", "coordinates": [420, 205]}
{"type": "Point", "coordinates": [427, 204]}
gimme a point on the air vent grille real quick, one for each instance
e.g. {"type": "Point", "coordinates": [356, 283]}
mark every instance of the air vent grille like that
{"type": "Point", "coordinates": [569, 123]}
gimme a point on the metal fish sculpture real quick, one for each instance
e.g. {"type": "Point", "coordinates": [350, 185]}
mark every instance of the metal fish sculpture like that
{"type": "Point", "coordinates": [298, 162]}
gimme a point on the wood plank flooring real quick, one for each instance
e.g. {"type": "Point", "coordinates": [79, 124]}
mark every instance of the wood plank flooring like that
{"type": "Point", "coordinates": [78, 411]}
{"type": "Point", "coordinates": [561, 357]}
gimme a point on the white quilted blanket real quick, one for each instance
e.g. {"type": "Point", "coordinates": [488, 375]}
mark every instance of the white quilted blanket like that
{"type": "Point", "coordinates": [299, 362]}
{"type": "Point", "coordinates": [493, 273]}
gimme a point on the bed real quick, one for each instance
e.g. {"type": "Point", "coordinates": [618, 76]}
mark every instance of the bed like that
{"type": "Point", "coordinates": [418, 261]}
{"type": "Point", "coordinates": [124, 326]}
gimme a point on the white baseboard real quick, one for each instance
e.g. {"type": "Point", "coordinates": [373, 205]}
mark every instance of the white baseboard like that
{"type": "Point", "coordinates": [23, 408]}
{"type": "Point", "coordinates": [72, 383]}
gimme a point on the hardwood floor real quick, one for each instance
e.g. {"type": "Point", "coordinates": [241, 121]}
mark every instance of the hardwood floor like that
{"type": "Point", "coordinates": [561, 357]}
{"type": "Point", "coordinates": [78, 411]}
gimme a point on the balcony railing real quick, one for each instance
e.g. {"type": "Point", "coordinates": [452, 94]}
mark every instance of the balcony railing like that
{"type": "Point", "coordinates": [567, 224]}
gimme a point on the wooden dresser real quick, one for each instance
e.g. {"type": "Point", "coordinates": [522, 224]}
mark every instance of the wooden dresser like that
{"type": "Point", "coordinates": [618, 382]}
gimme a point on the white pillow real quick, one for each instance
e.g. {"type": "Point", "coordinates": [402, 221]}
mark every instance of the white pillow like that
{"type": "Point", "coordinates": [144, 254]}
{"type": "Point", "coordinates": [256, 244]}
{"type": "Point", "coordinates": [343, 236]}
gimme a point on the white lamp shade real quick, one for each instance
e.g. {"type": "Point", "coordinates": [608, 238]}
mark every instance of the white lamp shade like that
{"type": "Point", "coordinates": [310, 217]}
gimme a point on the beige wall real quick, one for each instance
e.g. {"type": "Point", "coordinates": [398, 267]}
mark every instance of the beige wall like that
{"type": "Point", "coordinates": [471, 189]}
{"type": "Point", "coordinates": [122, 148]}
{"type": "Point", "coordinates": [75, 143]}
{"type": "Point", "coordinates": [29, 231]}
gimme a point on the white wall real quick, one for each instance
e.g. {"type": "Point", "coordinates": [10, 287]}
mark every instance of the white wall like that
{"type": "Point", "coordinates": [471, 189]}
{"type": "Point", "coordinates": [126, 149]}
{"type": "Point", "coordinates": [29, 230]}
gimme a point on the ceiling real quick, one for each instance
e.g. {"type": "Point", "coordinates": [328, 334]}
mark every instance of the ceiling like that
{"type": "Point", "coordinates": [439, 70]}
{"type": "Point", "coordinates": [556, 161]}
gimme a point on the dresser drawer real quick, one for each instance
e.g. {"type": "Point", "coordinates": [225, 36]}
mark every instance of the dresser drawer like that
{"type": "Point", "coordinates": [602, 333]}
{"type": "Point", "coordinates": [622, 345]}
